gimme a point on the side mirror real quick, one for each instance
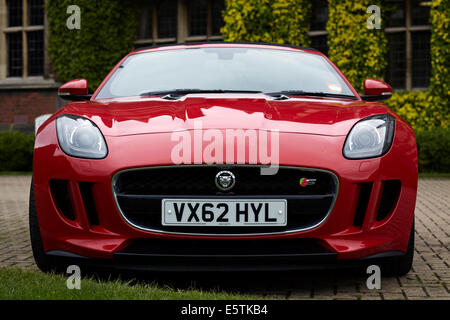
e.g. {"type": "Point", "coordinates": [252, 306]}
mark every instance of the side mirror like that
{"type": "Point", "coordinates": [75, 90]}
{"type": "Point", "coordinates": [375, 90]}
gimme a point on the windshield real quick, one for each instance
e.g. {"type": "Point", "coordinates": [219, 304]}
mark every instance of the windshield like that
{"type": "Point", "coordinates": [226, 69]}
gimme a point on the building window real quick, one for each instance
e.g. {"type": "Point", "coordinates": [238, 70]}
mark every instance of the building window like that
{"type": "Point", "coordinates": [396, 71]}
{"type": "Point", "coordinates": [421, 59]}
{"type": "Point", "coordinates": [317, 27]}
{"type": "Point", "coordinates": [22, 36]}
{"type": "Point", "coordinates": [158, 23]}
{"type": "Point", "coordinates": [204, 20]}
{"type": "Point", "coordinates": [167, 19]}
{"type": "Point", "coordinates": [146, 24]}
{"type": "Point", "coordinates": [198, 17]}
{"type": "Point", "coordinates": [217, 20]}
{"type": "Point", "coordinates": [408, 31]}
{"type": "Point", "coordinates": [172, 21]}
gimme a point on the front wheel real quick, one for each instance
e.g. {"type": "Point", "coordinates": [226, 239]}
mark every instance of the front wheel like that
{"type": "Point", "coordinates": [44, 262]}
{"type": "Point", "coordinates": [402, 265]}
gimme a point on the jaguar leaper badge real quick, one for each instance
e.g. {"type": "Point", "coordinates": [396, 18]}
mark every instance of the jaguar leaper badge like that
{"type": "Point", "coordinates": [225, 180]}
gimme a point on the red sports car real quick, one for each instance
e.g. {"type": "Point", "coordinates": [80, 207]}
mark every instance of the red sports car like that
{"type": "Point", "coordinates": [224, 156]}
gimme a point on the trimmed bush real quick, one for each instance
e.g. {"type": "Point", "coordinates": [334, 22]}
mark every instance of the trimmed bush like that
{"type": "Point", "coordinates": [16, 151]}
{"type": "Point", "coordinates": [108, 30]}
{"type": "Point", "coordinates": [434, 150]}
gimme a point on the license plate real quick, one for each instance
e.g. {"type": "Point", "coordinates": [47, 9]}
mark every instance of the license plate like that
{"type": "Point", "coordinates": [220, 212]}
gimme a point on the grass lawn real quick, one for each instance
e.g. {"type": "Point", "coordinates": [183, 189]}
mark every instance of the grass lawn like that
{"type": "Point", "coordinates": [16, 173]}
{"type": "Point", "coordinates": [434, 175]}
{"type": "Point", "coordinates": [19, 284]}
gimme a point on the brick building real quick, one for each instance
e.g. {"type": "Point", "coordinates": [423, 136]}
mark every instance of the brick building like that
{"type": "Point", "coordinates": [27, 88]}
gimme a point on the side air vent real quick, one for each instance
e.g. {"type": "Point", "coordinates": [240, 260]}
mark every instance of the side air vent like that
{"type": "Point", "coordinates": [389, 198]}
{"type": "Point", "coordinates": [61, 197]}
{"type": "Point", "coordinates": [364, 195]}
{"type": "Point", "coordinates": [89, 204]}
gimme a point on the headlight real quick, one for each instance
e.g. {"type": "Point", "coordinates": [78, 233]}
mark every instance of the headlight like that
{"type": "Point", "coordinates": [79, 137]}
{"type": "Point", "coordinates": [370, 137]}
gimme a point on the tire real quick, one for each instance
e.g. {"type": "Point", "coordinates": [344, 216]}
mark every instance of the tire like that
{"type": "Point", "coordinates": [44, 262]}
{"type": "Point", "coordinates": [401, 266]}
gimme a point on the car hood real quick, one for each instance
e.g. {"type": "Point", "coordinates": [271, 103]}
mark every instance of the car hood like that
{"type": "Point", "coordinates": [144, 115]}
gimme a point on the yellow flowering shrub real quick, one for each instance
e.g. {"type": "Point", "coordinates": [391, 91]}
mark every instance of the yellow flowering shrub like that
{"type": "Point", "coordinates": [431, 109]}
{"type": "Point", "coordinates": [420, 109]}
{"type": "Point", "coordinates": [359, 52]}
{"type": "Point", "coordinates": [440, 48]}
{"type": "Point", "coordinates": [273, 21]}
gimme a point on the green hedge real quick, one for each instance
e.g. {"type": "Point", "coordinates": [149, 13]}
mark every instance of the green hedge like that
{"type": "Point", "coordinates": [274, 21]}
{"type": "Point", "coordinates": [434, 150]}
{"type": "Point", "coordinates": [107, 33]}
{"type": "Point", "coordinates": [16, 151]}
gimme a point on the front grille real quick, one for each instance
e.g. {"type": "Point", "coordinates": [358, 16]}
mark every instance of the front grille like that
{"type": "Point", "coordinates": [223, 255]}
{"type": "Point", "coordinates": [139, 193]}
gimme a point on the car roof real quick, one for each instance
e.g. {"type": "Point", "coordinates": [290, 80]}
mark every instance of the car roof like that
{"type": "Point", "coordinates": [224, 44]}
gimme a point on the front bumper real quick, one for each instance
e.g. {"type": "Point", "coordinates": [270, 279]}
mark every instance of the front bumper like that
{"type": "Point", "coordinates": [152, 255]}
{"type": "Point", "coordinates": [340, 238]}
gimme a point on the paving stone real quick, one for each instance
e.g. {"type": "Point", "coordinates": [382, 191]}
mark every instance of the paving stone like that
{"type": "Point", "coordinates": [437, 291]}
{"type": "Point", "coordinates": [414, 292]}
{"type": "Point", "coordinates": [393, 296]}
{"type": "Point", "coordinates": [300, 295]}
{"type": "Point", "coordinates": [371, 297]}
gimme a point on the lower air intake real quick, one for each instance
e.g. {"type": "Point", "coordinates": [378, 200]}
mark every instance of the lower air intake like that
{"type": "Point", "coordinates": [389, 198]}
{"type": "Point", "coordinates": [61, 197]}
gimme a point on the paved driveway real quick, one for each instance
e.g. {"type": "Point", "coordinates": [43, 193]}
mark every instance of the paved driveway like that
{"type": "Point", "coordinates": [429, 279]}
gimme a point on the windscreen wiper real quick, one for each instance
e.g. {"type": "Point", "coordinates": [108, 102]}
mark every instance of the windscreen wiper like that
{"type": "Point", "coordinates": [309, 93]}
{"type": "Point", "coordinates": [177, 93]}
